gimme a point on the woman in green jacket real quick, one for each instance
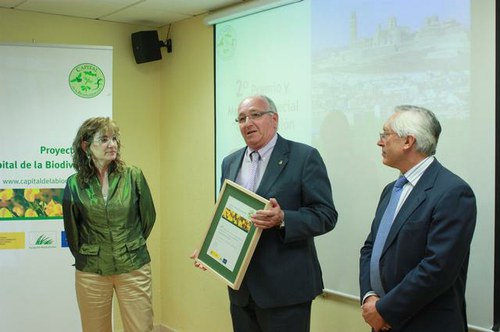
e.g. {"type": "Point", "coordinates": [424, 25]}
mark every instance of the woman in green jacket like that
{"type": "Point", "coordinates": [108, 215]}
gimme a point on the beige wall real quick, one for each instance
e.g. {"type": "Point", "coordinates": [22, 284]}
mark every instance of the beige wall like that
{"type": "Point", "coordinates": [191, 299]}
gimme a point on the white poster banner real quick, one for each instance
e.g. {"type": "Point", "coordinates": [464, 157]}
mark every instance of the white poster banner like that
{"type": "Point", "coordinates": [46, 92]}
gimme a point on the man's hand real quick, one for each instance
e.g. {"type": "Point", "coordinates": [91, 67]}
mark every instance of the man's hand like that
{"type": "Point", "coordinates": [371, 315]}
{"type": "Point", "coordinates": [269, 218]}
{"type": "Point", "coordinates": [197, 264]}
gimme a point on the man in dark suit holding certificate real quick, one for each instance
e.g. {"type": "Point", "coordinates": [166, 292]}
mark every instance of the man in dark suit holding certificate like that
{"type": "Point", "coordinates": [413, 265]}
{"type": "Point", "coordinates": [284, 275]}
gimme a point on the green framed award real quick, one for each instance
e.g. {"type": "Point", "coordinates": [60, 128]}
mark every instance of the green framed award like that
{"type": "Point", "coordinates": [231, 238]}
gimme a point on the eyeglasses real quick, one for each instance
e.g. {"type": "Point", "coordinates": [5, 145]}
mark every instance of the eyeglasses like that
{"type": "Point", "coordinates": [384, 135]}
{"type": "Point", "coordinates": [104, 140]}
{"type": "Point", "coordinates": [252, 116]}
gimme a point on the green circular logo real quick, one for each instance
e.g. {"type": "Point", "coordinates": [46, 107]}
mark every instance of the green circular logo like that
{"type": "Point", "coordinates": [86, 80]}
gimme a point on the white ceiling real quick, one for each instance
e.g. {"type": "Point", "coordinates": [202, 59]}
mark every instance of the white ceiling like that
{"type": "Point", "coordinates": [153, 13]}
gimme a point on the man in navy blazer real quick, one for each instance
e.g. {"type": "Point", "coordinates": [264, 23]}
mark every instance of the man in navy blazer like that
{"type": "Point", "coordinates": [284, 275]}
{"type": "Point", "coordinates": [423, 264]}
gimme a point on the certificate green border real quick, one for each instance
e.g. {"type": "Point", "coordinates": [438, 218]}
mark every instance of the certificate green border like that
{"type": "Point", "coordinates": [232, 278]}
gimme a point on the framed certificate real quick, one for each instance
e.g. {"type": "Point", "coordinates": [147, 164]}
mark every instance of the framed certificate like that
{"type": "Point", "coordinates": [231, 237]}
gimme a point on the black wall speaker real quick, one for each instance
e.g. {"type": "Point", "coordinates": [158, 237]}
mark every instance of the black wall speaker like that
{"type": "Point", "coordinates": [146, 46]}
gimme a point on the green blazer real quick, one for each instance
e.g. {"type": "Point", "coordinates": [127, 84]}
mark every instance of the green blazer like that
{"type": "Point", "coordinates": [109, 237]}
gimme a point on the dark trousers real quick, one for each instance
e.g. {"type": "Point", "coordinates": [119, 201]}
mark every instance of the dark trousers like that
{"type": "Point", "coordinates": [251, 318]}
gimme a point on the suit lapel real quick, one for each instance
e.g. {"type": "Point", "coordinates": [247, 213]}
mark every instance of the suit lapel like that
{"type": "Point", "coordinates": [414, 200]}
{"type": "Point", "coordinates": [235, 165]}
{"type": "Point", "coordinates": [277, 162]}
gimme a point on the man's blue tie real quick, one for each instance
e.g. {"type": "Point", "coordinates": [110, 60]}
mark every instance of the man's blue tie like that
{"type": "Point", "coordinates": [383, 231]}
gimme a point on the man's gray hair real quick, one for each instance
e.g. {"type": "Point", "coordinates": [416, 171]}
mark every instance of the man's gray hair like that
{"type": "Point", "coordinates": [271, 106]}
{"type": "Point", "coordinates": [420, 123]}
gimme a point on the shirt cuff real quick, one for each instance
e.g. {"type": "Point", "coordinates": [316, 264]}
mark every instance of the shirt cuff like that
{"type": "Point", "coordinates": [367, 295]}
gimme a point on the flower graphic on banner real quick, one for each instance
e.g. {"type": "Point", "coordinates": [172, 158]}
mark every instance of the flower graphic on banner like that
{"type": "Point", "coordinates": [53, 209]}
{"type": "Point", "coordinates": [30, 194]}
{"type": "Point", "coordinates": [6, 194]}
{"type": "Point", "coordinates": [30, 203]}
{"type": "Point", "coordinates": [5, 213]}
